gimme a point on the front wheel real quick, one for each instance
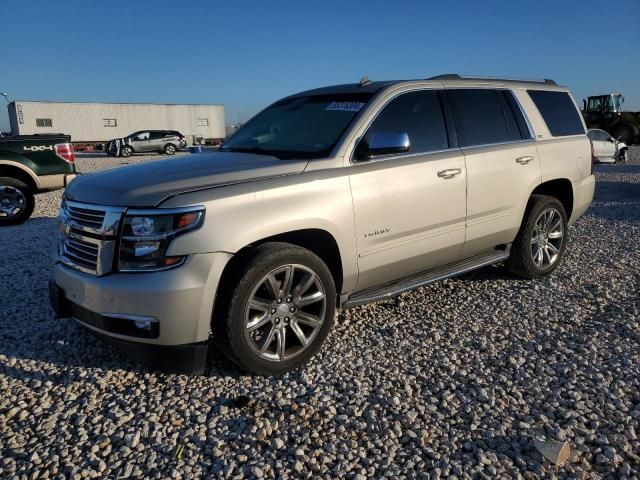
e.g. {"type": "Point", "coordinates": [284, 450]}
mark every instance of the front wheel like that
{"type": "Point", "coordinates": [622, 156]}
{"type": "Point", "coordinates": [280, 311]}
{"type": "Point", "coordinates": [126, 151]}
{"type": "Point", "coordinates": [16, 201]}
{"type": "Point", "coordinates": [541, 241]}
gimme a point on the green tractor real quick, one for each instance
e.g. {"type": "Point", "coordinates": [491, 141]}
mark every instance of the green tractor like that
{"type": "Point", "coordinates": [604, 112]}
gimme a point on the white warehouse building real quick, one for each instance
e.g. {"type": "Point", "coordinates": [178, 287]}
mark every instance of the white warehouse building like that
{"type": "Point", "coordinates": [98, 122]}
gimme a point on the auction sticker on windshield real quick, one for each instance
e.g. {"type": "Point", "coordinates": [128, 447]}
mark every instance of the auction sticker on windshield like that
{"type": "Point", "coordinates": [345, 106]}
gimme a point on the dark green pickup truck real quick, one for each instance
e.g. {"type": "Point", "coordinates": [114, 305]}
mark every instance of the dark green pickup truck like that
{"type": "Point", "coordinates": [31, 164]}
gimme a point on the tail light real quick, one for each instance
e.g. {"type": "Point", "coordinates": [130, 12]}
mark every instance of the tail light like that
{"type": "Point", "coordinates": [65, 151]}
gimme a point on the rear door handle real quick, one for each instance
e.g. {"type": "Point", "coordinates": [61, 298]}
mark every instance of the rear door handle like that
{"type": "Point", "coordinates": [524, 160]}
{"type": "Point", "coordinates": [449, 173]}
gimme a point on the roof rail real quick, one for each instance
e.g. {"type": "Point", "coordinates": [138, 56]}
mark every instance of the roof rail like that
{"type": "Point", "coordinates": [455, 76]}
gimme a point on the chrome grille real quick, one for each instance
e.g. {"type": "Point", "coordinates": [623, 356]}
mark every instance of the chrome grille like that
{"type": "Point", "coordinates": [88, 236]}
{"type": "Point", "coordinates": [86, 217]}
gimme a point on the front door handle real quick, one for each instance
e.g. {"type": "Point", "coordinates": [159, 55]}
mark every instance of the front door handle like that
{"type": "Point", "coordinates": [449, 173]}
{"type": "Point", "coordinates": [524, 160]}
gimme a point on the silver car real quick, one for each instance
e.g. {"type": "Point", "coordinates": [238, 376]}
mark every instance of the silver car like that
{"type": "Point", "coordinates": [328, 198]}
{"type": "Point", "coordinates": [147, 141]}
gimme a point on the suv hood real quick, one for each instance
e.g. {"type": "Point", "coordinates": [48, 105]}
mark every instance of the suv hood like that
{"type": "Point", "coordinates": [148, 184]}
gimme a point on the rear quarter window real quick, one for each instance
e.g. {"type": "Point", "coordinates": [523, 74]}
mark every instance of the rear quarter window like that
{"type": "Point", "coordinates": [558, 111]}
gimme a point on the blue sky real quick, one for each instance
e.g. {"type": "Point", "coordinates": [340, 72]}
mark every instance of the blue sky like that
{"type": "Point", "coordinates": [247, 54]}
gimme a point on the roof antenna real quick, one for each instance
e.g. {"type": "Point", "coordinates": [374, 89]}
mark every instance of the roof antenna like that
{"type": "Point", "coordinates": [364, 81]}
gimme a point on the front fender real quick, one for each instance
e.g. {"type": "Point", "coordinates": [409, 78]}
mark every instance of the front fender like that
{"type": "Point", "coordinates": [239, 215]}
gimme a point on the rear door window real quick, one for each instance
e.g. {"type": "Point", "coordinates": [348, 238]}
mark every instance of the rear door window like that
{"type": "Point", "coordinates": [479, 117]}
{"type": "Point", "coordinates": [558, 111]}
{"type": "Point", "coordinates": [417, 114]}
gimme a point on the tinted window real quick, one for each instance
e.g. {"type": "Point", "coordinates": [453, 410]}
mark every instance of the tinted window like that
{"type": "Point", "coordinates": [558, 111]}
{"type": "Point", "coordinates": [418, 114]}
{"type": "Point", "coordinates": [516, 124]}
{"type": "Point", "coordinates": [479, 117]}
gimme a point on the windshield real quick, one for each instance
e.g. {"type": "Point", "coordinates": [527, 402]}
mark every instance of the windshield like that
{"type": "Point", "coordinates": [302, 127]}
{"type": "Point", "coordinates": [613, 103]}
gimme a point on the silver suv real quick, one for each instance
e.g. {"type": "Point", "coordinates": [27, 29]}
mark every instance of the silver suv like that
{"type": "Point", "coordinates": [146, 141]}
{"type": "Point", "coordinates": [328, 198]}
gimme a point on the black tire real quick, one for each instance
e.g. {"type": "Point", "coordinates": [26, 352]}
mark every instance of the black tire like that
{"type": "Point", "coordinates": [232, 311]}
{"type": "Point", "coordinates": [622, 156]}
{"type": "Point", "coordinates": [15, 192]}
{"type": "Point", "coordinates": [126, 151]}
{"type": "Point", "coordinates": [521, 260]}
{"type": "Point", "coordinates": [624, 133]}
{"type": "Point", "coordinates": [170, 149]}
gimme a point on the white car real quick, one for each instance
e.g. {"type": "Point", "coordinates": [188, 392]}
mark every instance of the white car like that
{"type": "Point", "coordinates": [607, 149]}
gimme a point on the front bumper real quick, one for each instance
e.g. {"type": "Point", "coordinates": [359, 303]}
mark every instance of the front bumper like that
{"type": "Point", "coordinates": [143, 311]}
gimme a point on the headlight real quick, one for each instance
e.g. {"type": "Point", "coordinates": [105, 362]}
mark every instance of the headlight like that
{"type": "Point", "coordinates": [147, 234]}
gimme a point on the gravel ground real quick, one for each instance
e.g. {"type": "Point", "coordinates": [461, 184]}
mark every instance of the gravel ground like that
{"type": "Point", "coordinates": [452, 380]}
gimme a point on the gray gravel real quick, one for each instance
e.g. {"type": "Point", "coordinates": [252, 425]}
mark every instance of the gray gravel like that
{"type": "Point", "coordinates": [452, 380]}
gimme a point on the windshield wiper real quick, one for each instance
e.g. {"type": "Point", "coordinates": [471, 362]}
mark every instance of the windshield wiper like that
{"type": "Point", "coordinates": [243, 149]}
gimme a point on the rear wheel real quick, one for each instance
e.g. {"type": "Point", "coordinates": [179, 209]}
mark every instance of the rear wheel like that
{"type": "Point", "coordinates": [541, 241]}
{"type": "Point", "coordinates": [170, 149]}
{"type": "Point", "coordinates": [280, 311]}
{"type": "Point", "coordinates": [16, 201]}
{"type": "Point", "coordinates": [126, 151]}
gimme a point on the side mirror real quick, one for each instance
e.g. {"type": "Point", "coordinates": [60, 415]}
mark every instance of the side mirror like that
{"type": "Point", "coordinates": [383, 144]}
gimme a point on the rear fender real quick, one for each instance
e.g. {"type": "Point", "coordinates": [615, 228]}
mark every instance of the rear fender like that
{"type": "Point", "coordinates": [21, 163]}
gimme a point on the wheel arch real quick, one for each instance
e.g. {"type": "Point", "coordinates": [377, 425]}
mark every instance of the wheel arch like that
{"type": "Point", "coordinates": [19, 172]}
{"type": "Point", "coordinates": [316, 240]}
{"type": "Point", "coordinates": [560, 188]}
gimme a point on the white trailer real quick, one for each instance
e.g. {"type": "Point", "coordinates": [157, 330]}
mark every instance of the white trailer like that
{"type": "Point", "coordinates": [99, 122]}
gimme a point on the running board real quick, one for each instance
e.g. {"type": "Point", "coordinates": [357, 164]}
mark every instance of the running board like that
{"type": "Point", "coordinates": [375, 294]}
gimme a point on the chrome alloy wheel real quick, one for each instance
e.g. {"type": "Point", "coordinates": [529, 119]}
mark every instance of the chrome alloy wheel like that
{"type": "Point", "coordinates": [547, 238]}
{"type": "Point", "coordinates": [285, 312]}
{"type": "Point", "coordinates": [12, 201]}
